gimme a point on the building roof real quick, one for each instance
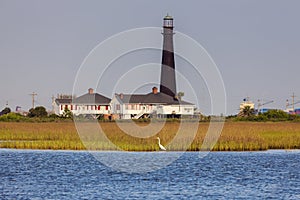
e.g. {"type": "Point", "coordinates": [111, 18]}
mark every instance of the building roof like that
{"type": "Point", "coordinates": [88, 98]}
{"type": "Point", "coordinates": [150, 98]}
{"type": "Point", "coordinates": [94, 98]}
{"type": "Point", "coordinates": [63, 101]}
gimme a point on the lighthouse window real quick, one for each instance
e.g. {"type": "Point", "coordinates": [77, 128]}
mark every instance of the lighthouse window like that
{"type": "Point", "coordinates": [168, 23]}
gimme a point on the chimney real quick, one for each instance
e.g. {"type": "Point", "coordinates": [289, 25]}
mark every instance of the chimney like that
{"type": "Point", "coordinates": [90, 91]}
{"type": "Point", "coordinates": [154, 90]}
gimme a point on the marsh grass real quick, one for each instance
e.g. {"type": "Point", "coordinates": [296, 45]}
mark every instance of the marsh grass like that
{"type": "Point", "coordinates": [235, 136]}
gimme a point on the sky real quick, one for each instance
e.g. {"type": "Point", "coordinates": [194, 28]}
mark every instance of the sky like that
{"type": "Point", "coordinates": [255, 45]}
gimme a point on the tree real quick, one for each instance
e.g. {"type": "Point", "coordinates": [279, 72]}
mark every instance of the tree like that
{"type": "Point", "coordinates": [247, 112]}
{"type": "Point", "coordinates": [67, 114]}
{"type": "Point", "coordinates": [276, 115]}
{"type": "Point", "coordinates": [180, 95]}
{"type": "Point", "coordinates": [5, 111]}
{"type": "Point", "coordinates": [39, 111]}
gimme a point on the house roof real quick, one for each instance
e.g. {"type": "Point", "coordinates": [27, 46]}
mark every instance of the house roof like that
{"type": "Point", "coordinates": [88, 98]}
{"type": "Point", "coordinates": [150, 98]}
{"type": "Point", "coordinates": [94, 98]}
{"type": "Point", "coordinates": [63, 101]}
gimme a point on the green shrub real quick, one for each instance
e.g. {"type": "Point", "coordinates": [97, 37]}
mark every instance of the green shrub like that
{"type": "Point", "coordinates": [276, 115]}
{"type": "Point", "coordinates": [10, 117]}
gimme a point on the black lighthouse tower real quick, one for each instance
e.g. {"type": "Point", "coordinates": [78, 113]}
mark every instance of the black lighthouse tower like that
{"type": "Point", "coordinates": [167, 78]}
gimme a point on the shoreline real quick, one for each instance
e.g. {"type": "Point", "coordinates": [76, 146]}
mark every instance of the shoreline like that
{"type": "Point", "coordinates": [111, 151]}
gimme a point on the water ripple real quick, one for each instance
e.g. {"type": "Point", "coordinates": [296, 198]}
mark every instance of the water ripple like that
{"type": "Point", "coordinates": [26, 174]}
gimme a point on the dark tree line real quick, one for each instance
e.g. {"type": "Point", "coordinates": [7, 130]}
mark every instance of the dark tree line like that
{"type": "Point", "coordinates": [5, 111]}
{"type": "Point", "coordinates": [38, 111]}
{"type": "Point", "coordinates": [248, 114]}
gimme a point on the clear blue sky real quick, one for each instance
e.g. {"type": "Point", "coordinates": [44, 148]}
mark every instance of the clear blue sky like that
{"type": "Point", "coordinates": [255, 44]}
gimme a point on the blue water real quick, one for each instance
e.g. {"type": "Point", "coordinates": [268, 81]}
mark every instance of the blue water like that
{"type": "Point", "coordinates": [27, 174]}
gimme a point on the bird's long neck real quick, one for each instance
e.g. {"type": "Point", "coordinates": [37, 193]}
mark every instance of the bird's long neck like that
{"type": "Point", "coordinates": [158, 140]}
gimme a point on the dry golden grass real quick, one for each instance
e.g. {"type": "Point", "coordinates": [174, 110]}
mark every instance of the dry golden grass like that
{"type": "Point", "coordinates": [236, 136]}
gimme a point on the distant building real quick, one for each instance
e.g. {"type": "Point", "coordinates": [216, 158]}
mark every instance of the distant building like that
{"type": "Point", "coordinates": [154, 105]}
{"type": "Point", "coordinates": [292, 112]}
{"type": "Point", "coordinates": [87, 104]}
{"type": "Point", "coordinates": [263, 110]}
{"type": "Point", "coordinates": [246, 102]}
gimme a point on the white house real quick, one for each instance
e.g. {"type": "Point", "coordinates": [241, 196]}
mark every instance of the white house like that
{"type": "Point", "coordinates": [153, 104]}
{"type": "Point", "coordinates": [87, 104]}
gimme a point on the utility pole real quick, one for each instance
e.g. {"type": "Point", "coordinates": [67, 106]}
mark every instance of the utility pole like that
{"type": "Point", "coordinates": [287, 104]}
{"type": "Point", "coordinates": [293, 101]}
{"type": "Point", "coordinates": [33, 100]}
{"type": "Point", "coordinates": [53, 99]}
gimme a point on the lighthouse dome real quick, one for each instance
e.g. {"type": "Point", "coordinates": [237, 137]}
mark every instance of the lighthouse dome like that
{"type": "Point", "coordinates": [168, 17]}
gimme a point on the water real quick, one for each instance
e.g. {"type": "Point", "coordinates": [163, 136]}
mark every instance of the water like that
{"type": "Point", "coordinates": [26, 174]}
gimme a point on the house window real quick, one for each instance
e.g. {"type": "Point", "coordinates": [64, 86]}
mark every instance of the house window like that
{"type": "Point", "coordinates": [71, 107]}
{"type": "Point", "coordinates": [66, 107]}
{"type": "Point", "coordinates": [99, 107]}
{"type": "Point", "coordinates": [106, 107]}
{"type": "Point", "coordinates": [118, 107]}
{"type": "Point", "coordinates": [61, 107]}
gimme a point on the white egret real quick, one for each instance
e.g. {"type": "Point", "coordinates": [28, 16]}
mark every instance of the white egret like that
{"type": "Point", "coordinates": [161, 147]}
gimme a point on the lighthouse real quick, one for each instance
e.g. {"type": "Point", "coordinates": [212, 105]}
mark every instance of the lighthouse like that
{"type": "Point", "coordinates": [167, 78]}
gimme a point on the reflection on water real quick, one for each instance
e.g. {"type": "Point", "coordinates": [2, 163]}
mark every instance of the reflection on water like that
{"type": "Point", "coordinates": [26, 174]}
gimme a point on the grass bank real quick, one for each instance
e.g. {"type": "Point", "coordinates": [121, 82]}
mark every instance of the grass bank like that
{"type": "Point", "coordinates": [235, 136]}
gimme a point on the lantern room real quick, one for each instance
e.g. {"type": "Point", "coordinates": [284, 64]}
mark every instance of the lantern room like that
{"type": "Point", "coordinates": [168, 21]}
